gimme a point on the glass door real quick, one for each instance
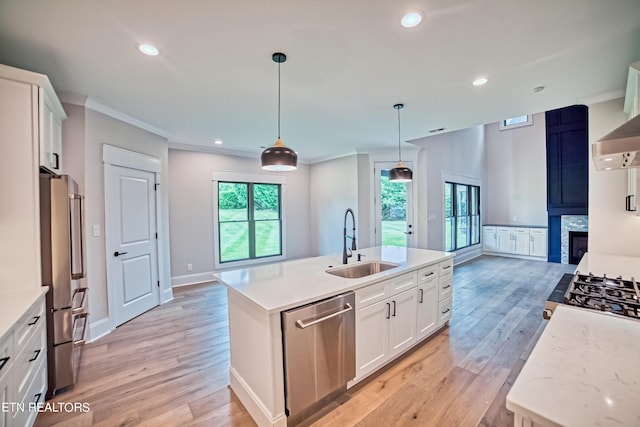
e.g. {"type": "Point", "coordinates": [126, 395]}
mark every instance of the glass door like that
{"type": "Point", "coordinates": [393, 207]}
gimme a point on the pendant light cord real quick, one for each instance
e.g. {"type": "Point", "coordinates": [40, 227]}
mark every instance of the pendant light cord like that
{"type": "Point", "coordinates": [399, 149]}
{"type": "Point", "coordinates": [279, 100]}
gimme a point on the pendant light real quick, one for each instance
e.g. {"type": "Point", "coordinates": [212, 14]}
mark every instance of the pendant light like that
{"type": "Point", "coordinates": [279, 157]}
{"type": "Point", "coordinates": [400, 173]}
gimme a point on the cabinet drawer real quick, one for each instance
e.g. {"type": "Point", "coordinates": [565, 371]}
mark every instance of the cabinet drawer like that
{"type": "Point", "coordinates": [371, 294]}
{"type": "Point", "coordinates": [489, 229]}
{"type": "Point", "coordinates": [444, 310]}
{"type": "Point", "coordinates": [446, 286]}
{"type": "Point", "coordinates": [504, 230]}
{"type": "Point", "coordinates": [427, 274]}
{"type": "Point", "coordinates": [518, 230]}
{"type": "Point", "coordinates": [445, 267]}
{"type": "Point", "coordinates": [402, 283]}
{"type": "Point", "coordinates": [34, 394]}
{"type": "Point", "coordinates": [6, 353]}
{"type": "Point", "coordinates": [28, 360]}
{"type": "Point", "coordinates": [538, 231]}
{"type": "Point", "coordinates": [27, 324]}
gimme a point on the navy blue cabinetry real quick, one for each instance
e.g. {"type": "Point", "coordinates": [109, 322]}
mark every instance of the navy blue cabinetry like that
{"type": "Point", "coordinates": [567, 169]}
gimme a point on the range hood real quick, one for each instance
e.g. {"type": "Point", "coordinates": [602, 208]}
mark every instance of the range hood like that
{"type": "Point", "coordinates": [620, 148]}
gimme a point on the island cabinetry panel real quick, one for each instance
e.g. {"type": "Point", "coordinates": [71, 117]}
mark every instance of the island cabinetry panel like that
{"type": "Point", "coordinates": [23, 369]}
{"type": "Point", "coordinates": [428, 289]}
{"type": "Point", "coordinates": [386, 327]}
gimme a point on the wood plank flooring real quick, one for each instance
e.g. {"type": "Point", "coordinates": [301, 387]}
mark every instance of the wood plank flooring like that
{"type": "Point", "coordinates": [169, 367]}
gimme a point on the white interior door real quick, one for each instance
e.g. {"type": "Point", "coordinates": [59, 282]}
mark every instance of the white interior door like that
{"type": "Point", "coordinates": [132, 258]}
{"type": "Point", "coordinates": [393, 208]}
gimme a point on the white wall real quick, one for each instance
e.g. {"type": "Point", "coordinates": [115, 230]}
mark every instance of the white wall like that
{"type": "Point", "coordinates": [191, 207]}
{"type": "Point", "coordinates": [612, 230]}
{"type": "Point", "coordinates": [334, 188]}
{"type": "Point", "coordinates": [515, 174]}
{"type": "Point", "coordinates": [457, 154]}
{"type": "Point", "coordinates": [99, 130]}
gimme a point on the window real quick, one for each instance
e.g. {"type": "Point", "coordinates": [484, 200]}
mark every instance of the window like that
{"type": "Point", "coordinates": [249, 221]}
{"type": "Point", "coordinates": [516, 122]}
{"type": "Point", "coordinates": [461, 215]}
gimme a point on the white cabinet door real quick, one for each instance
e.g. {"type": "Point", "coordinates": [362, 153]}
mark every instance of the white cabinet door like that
{"type": "Point", "coordinates": [50, 135]}
{"type": "Point", "coordinates": [538, 243]}
{"type": "Point", "coordinates": [372, 337]}
{"type": "Point", "coordinates": [427, 308]}
{"type": "Point", "coordinates": [403, 321]}
{"type": "Point", "coordinates": [521, 244]}
{"type": "Point", "coordinates": [505, 242]}
{"type": "Point", "coordinates": [489, 239]}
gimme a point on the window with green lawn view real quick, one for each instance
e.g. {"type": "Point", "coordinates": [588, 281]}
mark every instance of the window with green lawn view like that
{"type": "Point", "coordinates": [249, 221]}
{"type": "Point", "coordinates": [461, 215]}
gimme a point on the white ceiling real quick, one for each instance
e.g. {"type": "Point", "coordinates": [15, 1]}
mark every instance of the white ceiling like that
{"type": "Point", "coordinates": [348, 62]}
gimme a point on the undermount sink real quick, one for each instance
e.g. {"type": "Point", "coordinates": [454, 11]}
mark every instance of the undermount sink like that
{"type": "Point", "coordinates": [362, 269]}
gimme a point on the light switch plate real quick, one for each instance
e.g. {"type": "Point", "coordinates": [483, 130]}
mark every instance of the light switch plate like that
{"type": "Point", "coordinates": [96, 230]}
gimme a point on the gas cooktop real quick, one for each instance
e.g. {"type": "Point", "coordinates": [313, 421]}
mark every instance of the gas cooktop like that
{"type": "Point", "coordinates": [615, 296]}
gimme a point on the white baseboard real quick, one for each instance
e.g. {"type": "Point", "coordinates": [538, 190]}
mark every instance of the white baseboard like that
{"type": "Point", "coordinates": [253, 404]}
{"type": "Point", "coordinates": [532, 258]}
{"type": "Point", "coordinates": [99, 329]}
{"type": "Point", "coordinates": [166, 296]}
{"type": "Point", "coordinates": [192, 279]}
{"type": "Point", "coordinates": [466, 255]}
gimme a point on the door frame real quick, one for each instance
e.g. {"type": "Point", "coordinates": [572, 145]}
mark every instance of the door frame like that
{"type": "Point", "coordinates": [115, 156]}
{"type": "Point", "coordinates": [376, 165]}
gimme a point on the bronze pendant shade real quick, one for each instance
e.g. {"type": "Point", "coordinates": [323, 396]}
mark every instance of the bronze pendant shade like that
{"type": "Point", "coordinates": [400, 173]}
{"type": "Point", "coordinates": [279, 157]}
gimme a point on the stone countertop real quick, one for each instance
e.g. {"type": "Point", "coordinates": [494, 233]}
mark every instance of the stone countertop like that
{"type": "Point", "coordinates": [610, 265]}
{"type": "Point", "coordinates": [14, 304]}
{"type": "Point", "coordinates": [280, 286]}
{"type": "Point", "coordinates": [582, 372]}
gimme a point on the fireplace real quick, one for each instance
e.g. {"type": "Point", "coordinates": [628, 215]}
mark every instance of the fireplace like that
{"type": "Point", "coordinates": [577, 245]}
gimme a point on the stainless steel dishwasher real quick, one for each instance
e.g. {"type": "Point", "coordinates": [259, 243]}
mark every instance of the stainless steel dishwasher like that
{"type": "Point", "coordinates": [319, 353]}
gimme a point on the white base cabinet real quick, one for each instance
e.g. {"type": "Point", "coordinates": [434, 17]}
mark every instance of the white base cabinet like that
{"type": "Point", "coordinates": [393, 315]}
{"type": "Point", "coordinates": [517, 241]}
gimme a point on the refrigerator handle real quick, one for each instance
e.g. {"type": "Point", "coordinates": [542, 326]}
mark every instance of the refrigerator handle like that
{"type": "Point", "coordinates": [79, 240]}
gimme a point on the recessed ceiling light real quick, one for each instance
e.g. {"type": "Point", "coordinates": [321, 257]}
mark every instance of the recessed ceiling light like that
{"type": "Point", "coordinates": [607, 169]}
{"type": "Point", "coordinates": [148, 49]}
{"type": "Point", "coordinates": [608, 159]}
{"type": "Point", "coordinates": [217, 142]}
{"type": "Point", "coordinates": [411, 19]}
{"type": "Point", "coordinates": [480, 81]}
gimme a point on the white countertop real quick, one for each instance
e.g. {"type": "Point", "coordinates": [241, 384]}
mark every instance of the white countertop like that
{"type": "Point", "coordinates": [13, 304]}
{"type": "Point", "coordinates": [611, 265]}
{"type": "Point", "coordinates": [284, 285]}
{"type": "Point", "coordinates": [584, 371]}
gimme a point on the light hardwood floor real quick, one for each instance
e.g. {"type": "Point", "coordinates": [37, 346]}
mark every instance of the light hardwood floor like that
{"type": "Point", "coordinates": [169, 367]}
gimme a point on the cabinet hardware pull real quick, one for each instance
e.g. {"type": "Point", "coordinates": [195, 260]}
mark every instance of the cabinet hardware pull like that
{"type": "Point", "coordinates": [302, 325]}
{"type": "Point", "coordinates": [446, 311]}
{"type": "Point", "coordinates": [388, 311]}
{"type": "Point", "coordinates": [394, 308]}
{"type": "Point", "coordinates": [35, 320]}
{"type": "Point", "coordinates": [421, 296]}
{"type": "Point", "coordinates": [446, 287]}
{"type": "Point", "coordinates": [56, 157]}
{"type": "Point", "coordinates": [444, 268]}
{"type": "Point", "coordinates": [33, 359]}
{"type": "Point", "coordinates": [37, 396]}
{"type": "Point", "coordinates": [431, 273]}
{"type": "Point", "coordinates": [4, 361]}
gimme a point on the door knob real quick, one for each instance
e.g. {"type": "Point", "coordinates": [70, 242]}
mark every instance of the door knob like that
{"type": "Point", "coordinates": [116, 253]}
{"type": "Point", "coordinates": [408, 232]}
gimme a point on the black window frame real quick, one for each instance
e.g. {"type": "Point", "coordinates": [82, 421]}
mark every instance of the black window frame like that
{"type": "Point", "coordinates": [251, 221]}
{"type": "Point", "coordinates": [474, 235]}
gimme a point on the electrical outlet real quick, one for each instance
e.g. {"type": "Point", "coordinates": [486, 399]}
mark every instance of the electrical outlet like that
{"type": "Point", "coordinates": [189, 267]}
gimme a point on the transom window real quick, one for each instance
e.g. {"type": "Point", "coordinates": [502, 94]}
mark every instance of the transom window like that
{"type": "Point", "coordinates": [462, 215]}
{"type": "Point", "coordinates": [249, 221]}
{"type": "Point", "coordinates": [516, 122]}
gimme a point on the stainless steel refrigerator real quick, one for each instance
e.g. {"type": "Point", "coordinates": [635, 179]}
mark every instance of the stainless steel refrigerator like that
{"type": "Point", "coordinates": [63, 271]}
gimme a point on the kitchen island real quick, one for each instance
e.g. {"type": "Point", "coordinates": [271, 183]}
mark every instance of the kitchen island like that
{"type": "Point", "coordinates": [583, 370]}
{"type": "Point", "coordinates": [258, 295]}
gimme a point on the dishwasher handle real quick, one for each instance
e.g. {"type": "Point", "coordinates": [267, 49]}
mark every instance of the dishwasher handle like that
{"type": "Point", "coordinates": [302, 325]}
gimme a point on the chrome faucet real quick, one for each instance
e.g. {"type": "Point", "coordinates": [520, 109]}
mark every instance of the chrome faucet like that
{"type": "Point", "coordinates": [347, 253]}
